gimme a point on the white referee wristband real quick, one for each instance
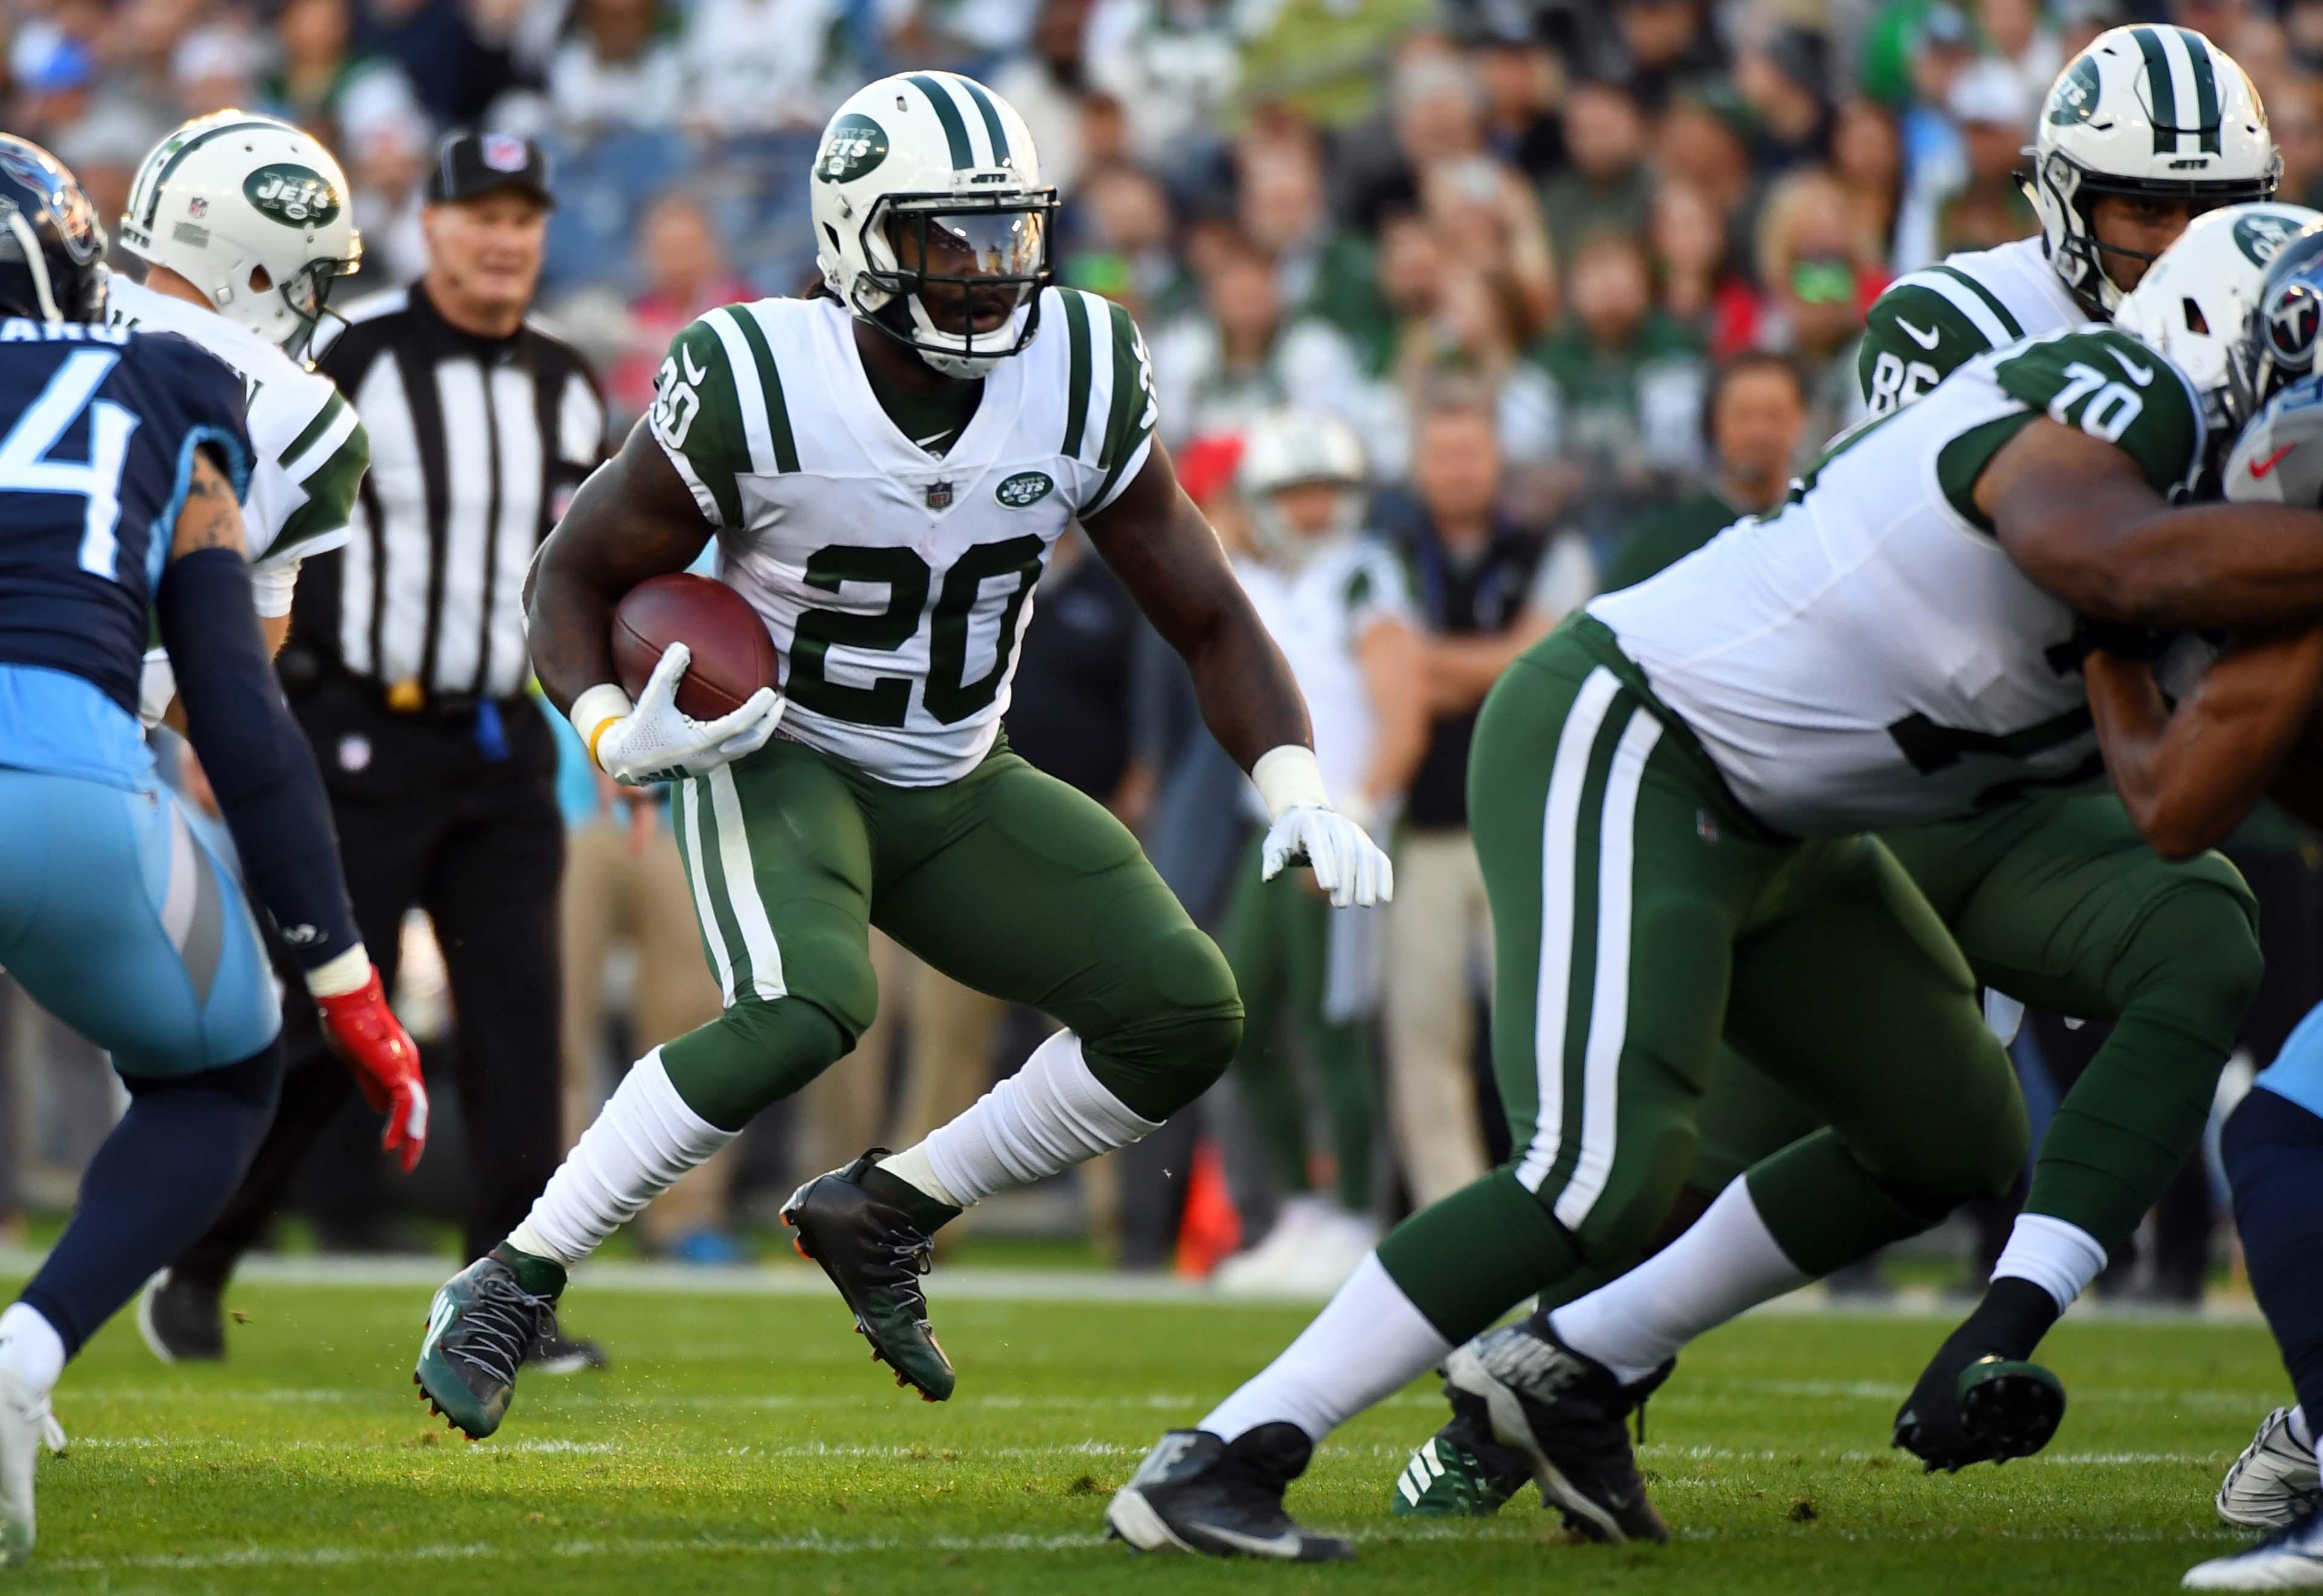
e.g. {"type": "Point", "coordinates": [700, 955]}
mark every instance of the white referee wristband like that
{"type": "Point", "coordinates": [594, 711]}
{"type": "Point", "coordinates": [1286, 777]}
{"type": "Point", "coordinates": [341, 974]}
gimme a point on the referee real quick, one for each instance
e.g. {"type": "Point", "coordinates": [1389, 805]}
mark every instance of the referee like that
{"type": "Point", "coordinates": [407, 667]}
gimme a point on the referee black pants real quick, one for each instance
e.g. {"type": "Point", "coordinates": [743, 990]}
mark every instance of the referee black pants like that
{"type": "Point", "coordinates": [427, 819]}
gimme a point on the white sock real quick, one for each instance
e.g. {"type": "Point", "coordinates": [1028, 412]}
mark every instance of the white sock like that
{"type": "Point", "coordinates": [1729, 1261]}
{"type": "Point", "coordinates": [1048, 1117]}
{"type": "Point", "coordinates": [1367, 1343]}
{"type": "Point", "coordinates": [31, 1346]}
{"type": "Point", "coordinates": [2060, 1259]}
{"type": "Point", "coordinates": [642, 1140]}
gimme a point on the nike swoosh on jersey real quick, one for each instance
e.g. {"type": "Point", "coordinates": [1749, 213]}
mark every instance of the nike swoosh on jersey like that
{"type": "Point", "coordinates": [1925, 340]}
{"type": "Point", "coordinates": [2141, 375]}
{"type": "Point", "coordinates": [2259, 468]}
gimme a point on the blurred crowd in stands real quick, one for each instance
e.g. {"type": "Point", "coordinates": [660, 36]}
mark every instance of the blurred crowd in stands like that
{"type": "Point", "coordinates": [1567, 268]}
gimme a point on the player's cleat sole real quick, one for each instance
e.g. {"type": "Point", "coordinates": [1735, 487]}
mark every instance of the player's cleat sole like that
{"type": "Point", "coordinates": [1460, 1472]}
{"type": "Point", "coordinates": [1197, 1494]}
{"type": "Point", "coordinates": [2009, 1408]}
{"type": "Point", "coordinates": [2274, 1483]}
{"type": "Point", "coordinates": [1567, 1415]}
{"type": "Point", "coordinates": [181, 1320]}
{"type": "Point", "coordinates": [26, 1426]}
{"type": "Point", "coordinates": [874, 1252]}
{"type": "Point", "coordinates": [481, 1326]}
{"type": "Point", "coordinates": [2290, 1559]}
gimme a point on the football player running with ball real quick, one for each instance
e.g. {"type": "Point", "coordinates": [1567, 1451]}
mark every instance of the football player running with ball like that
{"type": "Point", "coordinates": [2055, 899]}
{"type": "Point", "coordinates": [884, 469]}
{"type": "Point", "coordinates": [1672, 790]}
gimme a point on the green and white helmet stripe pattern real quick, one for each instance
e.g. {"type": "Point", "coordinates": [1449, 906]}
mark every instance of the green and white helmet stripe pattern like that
{"type": "Point", "coordinates": [946, 92]}
{"type": "Point", "coordinates": [2179, 78]}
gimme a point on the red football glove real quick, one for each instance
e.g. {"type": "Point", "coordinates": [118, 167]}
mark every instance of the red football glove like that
{"type": "Point", "coordinates": [373, 1043]}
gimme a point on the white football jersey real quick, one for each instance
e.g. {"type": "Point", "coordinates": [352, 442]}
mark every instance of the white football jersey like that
{"type": "Point", "coordinates": [310, 448]}
{"type": "Point", "coordinates": [1931, 322]}
{"type": "Point", "coordinates": [1867, 655]}
{"type": "Point", "coordinates": [1318, 613]}
{"type": "Point", "coordinates": [896, 584]}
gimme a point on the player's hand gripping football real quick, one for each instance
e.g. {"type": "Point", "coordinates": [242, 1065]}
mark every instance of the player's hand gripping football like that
{"type": "Point", "coordinates": [658, 741]}
{"type": "Point", "coordinates": [1348, 865]}
{"type": "Point", "coordinates": [385, 1061]}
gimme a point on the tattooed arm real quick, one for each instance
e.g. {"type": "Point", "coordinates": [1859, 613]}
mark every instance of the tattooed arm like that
{"type": "Point", "coordinates": [633, 518]}
{"type": "Point", "coordinates": [212, 518]}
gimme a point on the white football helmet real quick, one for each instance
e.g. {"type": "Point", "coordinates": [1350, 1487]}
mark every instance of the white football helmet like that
{"type": "Point", "coordinates": [1290, 448]}
{"type": "Point", "coordinates": [251, 211]}
{"type": "Point", "coordinates": [2153, 111]}
{"type": "Point", "coordinates": [2194, 304]}
{"type": "Point", "coordinates": [931, 221]}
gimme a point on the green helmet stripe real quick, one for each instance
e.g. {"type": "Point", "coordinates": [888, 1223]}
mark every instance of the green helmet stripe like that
{"type": "Point", "coordinates": [2206, 86]}
{"type": "Point", "coordinates": [154, 195]}
{"type": "Point", "coordinates": [2160, 87]}
{"type": "Point", "coordinates": [1000, 134]}
{"type": "Point", "coordinates": [955, 130]}
{"type": "Point", "coordinates": [1076, 389]}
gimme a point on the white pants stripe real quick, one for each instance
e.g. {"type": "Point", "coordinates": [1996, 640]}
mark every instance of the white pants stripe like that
{"type": "Point", "coordinates": [742, 888]}
{"type": "Point", "coordinates": [689, 806]}
{"type": "Point", "coordinates": [1560, 827]}
{"type": "Point", "coordinates": [1609, 1011]}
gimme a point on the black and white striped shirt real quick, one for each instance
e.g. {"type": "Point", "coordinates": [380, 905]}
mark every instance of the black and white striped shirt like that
{"type": "Point", "coordinates": [476, 445]}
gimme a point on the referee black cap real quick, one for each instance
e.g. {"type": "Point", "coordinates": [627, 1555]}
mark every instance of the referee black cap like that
{"type": "Point", "coordinates": [469, 164]}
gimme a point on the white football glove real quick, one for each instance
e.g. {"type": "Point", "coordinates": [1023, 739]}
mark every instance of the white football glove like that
{"type": "Point", "coordinates": [1348, 864]}
{"type": "Point", "coordinates": [655, 741]}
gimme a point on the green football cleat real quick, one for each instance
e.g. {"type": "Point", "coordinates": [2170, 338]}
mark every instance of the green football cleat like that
{"type": "Point", "coordinates": [869, 1231]}
{"type": "Point", "coordinates": [484, 1322]}
{"type": "Point", "coordinates": [1460, 1472]}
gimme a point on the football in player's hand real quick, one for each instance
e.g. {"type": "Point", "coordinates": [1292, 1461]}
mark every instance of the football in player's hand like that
{"type": "Point", "coordinates": [733, 656]}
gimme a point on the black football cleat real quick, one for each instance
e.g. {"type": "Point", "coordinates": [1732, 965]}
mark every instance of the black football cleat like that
{"type": "Point", "coordinates": [870, 1231]}
{"type": "Point", "coordinates": [483, 1326]}
{"type": "Point", "coordinates": [1568, 1416]}
{"type": "Point", "coordinates": [1197, 1494]}
{"type": "Point", "coordinates": [1988, 1410]}
{"type": "Point", "coordinates": [181, 1318]}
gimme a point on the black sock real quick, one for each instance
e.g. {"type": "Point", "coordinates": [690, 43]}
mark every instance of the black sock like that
{"type": "Point", "coordinates": [154, 1185]}
{"type": "Point", "coordinates": [2011, 1320]}
{"type": "Point", "coordinates": [2273, 1153]}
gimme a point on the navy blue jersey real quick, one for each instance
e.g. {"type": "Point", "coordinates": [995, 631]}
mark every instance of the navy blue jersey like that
{"type": "Point", "coordinates": [99, 426]}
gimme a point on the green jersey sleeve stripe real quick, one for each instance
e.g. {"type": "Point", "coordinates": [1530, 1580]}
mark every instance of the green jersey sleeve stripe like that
{"type": "Point", "coordinates": [778, 413]}
{"type": "Point", "coordinates": [324, 420]}
{"type": "Point", "coordinates": [331, 487]}
{"type": "Point", "coordinates": [2161, 87]}
{"type": "Point", "coordinates": [992, 128]}
{"type": "Point", "coordinates": [758, 391]}
{"type": "Point", "coordinates": [955, 130]}
{"type": "Point", "coordinates": [2014, 328]}
{"type": "Point", "coordinates": [1127, 426]}
{"type": "Point", "coordinates": [1909, 314]}
{"type": "Point", "coordinates": [1077, 393]}
{"type": "Point", "coordinates": [1970, 307]}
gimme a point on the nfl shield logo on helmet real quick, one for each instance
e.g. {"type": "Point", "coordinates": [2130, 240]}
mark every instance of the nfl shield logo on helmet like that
{"type": "Point", "coordinates": [939, 495]}
{"type": "Point", "coordinates": [197, 207]}
{"type": "Point", "coordinates": [503, 153]}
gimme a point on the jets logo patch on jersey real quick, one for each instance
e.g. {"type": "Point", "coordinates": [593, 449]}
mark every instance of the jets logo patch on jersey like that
{"type": "Point", "coordinates": [1024, 489]}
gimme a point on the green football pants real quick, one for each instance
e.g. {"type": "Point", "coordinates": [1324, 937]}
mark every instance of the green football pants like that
{"type": "Point", "coordinates": [1007, 880]}
{"type": "Point", "coordinates": [1641, 920]}
{"type": "Point", "coordinates": [1276, 938]}
{"type": "Point", "coordinates": [2058, 902]}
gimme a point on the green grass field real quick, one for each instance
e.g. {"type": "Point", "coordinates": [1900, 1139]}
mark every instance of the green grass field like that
{"type": "Point", "coordinates": [744, 1443]}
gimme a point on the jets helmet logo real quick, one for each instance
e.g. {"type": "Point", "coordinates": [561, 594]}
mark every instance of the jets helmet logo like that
{"type": "Point", "coordinates": [854, 146]}
{"type": "Point", "coordinates": [295, 196]}
{"type": "Point", "coordinates": [2260, 237]}
{"type": "Point", "coordinates": [2075, 97]}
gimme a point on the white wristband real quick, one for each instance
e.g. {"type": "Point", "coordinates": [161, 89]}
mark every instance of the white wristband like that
{"type": "Point", "coordinates": [1286, 777]}
{"type": "Point", "coordinates": [341, 974]}
{"type": "Point", "coordinates": [595, 709]}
